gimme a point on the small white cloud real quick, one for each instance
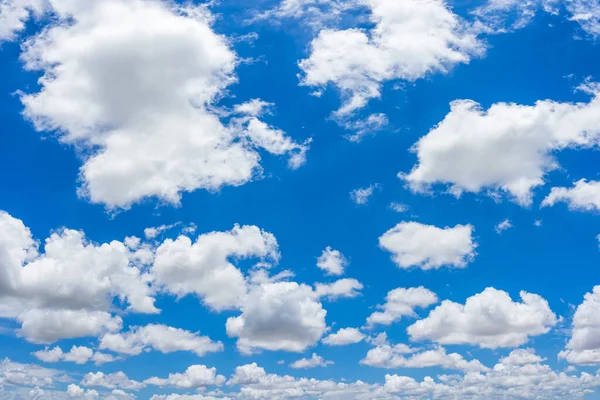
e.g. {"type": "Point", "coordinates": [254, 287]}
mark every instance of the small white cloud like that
{"type": "Point", "coordinates": [584, 196]}
{"type": "Point", "coordinates": [332, 262]}
{"type": "Point", "coordinates": [344, 337]}
{"type": "Point", "coordinates": [398, 207]}
{"type": "Point", "coordinates": [362, 196]}
{"type": "Point", "coordinates": [400, 303]}
{"type": "Point", "coordinates": [428, 247]}
{"type": "Point", "coordinates": [502, 226]}
{"type": "Point", "coordinates": [314, 361]}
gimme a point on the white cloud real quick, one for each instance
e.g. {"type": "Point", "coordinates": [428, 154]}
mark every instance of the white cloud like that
{"type": "Point", "coordinates": [204, 268]}
{"type": "Point", "coordinates": [394, 357]}
{"type": "Point", "coordinates": [146, 119]}
{"type": "Point", "coordinates": [489, 319]}
{"type": "Point", "coordinates": [80, 393]}
{"type": "Point", "coordinates": [584, 345]}
{"type": "Point", "coordinates": [278, 316]}
{"type": "Point", "coordinates": [163, 338]}
{"type": "Point", "coordinates": [413, 244]}
{"type": "Point", "coordinates": [117, 380]}
{"type": "Point", "coordinates": [196, 376]}
{"type": "Point", "coordinates": [497, 14]}
{"type": "Point", "coordinates": [48, 326]}
{"type": "Point", "coordinates": [587, 14]}
{"type": "Point", "coordinates": [361, 196]}
{"type": "Point", "coordinates": [77, 354]}
{"type": "Point", "coordinates": [332, 262]}
{"type": "Point", "coordinates": [342, 288]}
{"type": "Point", "coordinates": [402, 302]}
{"type": "Point", "coordinates": [176, 396]}
{"type": "Point", "coordinates": [409, 40]}
{"type": "Point", "coordinates": [313, 362]}
{"type": "Point", "coordinates": [522, 357]}
{"type": "Point", "coordinates": [53, 296]}
{"type": "Point", "coordinates": [507, 149]}
{"type": "Point", "coordinates": [153, 231]}
{"type": "Point", "coordinates": [314, 13]}
{"type": "Point", "coordinates": [584, 196]}
{"type": "Point", "coordinates": [504, 225]}
{"type": "Point", "coordinates": [532, 381]}
{"type": "Point", "coordinates": [344, 337]}
{"type": "Point", "coordinates": [21, 375]}
{"type": "Point", "coordinates": [398, 207]}
{"type": "Point", "coordinates": [14, 14]}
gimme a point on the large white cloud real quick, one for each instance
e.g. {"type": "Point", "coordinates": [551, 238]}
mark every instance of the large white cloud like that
{"type": "Point", "coordinates": [413, 244]}
{"type": "Point", "coordinates": [165, 339]}
{"type": "Point", "coordinates": [66, 290]}
{"type": "Point", "coordinates": [278, 316]}
{"type": "Point", "coordinates": [410, 39]}
{"type": "Point", "coordinates": [144, 117]}
{"type": "Point", "coordinates": [489, 319]}
{"type": "Point", "coordinates": [584, 345]}
{"type": "Point", "coordinates": [507, 149]}
{"type": "Point", "coordinates": [401, 302]}
{"type": "Point", "coordinates": [203, 267]}
{"type": "Point", "coordinates": [20, 375]}
{"type": "Point", "coordinates": [48, 326]}
{"type": "Point", "coordinates": [583, 195]}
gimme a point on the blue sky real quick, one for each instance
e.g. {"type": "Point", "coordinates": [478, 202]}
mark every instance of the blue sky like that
{"type": "Point", "coordinates": [301, 199]}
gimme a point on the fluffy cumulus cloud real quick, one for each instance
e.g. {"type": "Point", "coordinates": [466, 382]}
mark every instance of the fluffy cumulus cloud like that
{"type": "Point", "coordinates": [77, 354]}
{"type": "Point", "coordinates": [332, 262]}
{"type": "Point", "coordinates": [401, 302]}
{"type": "Point", "coordinates": [409, 40]}
{"type": "Point", "coordinates": [76, 391]}
{"type": "Point", "coordinates": [529, 381]}
{"type": "Point", "coordinates": [413, 244]}
{"type": "Point", "coordinates": [146, 119]}
{"type": "Point", "coordinates": [23, 375]}
{"type": "Point", "coordinates": [584, 196]}
{"type": "Point", "coordinates": [393, 357]}
{"type": "Point", "coordinates": [196, 376]}
{"type": "Point", "coordinates": [66, 290]}
{"type": "Point", "coordinates": [203, 267]}
{"type": "Point", "coordinates": [584, 345]}
{"type": "Point", "coordinates": [278, 316]}
{"type": "Point", "coordinates": [314, 361]}
{"type": "Point", "coordinates": [117, 380]}
{"type": "Point", "coordinates": [505, 150]}
{"type": "Point", "coordinates": [48, 326]}
{"type": "Point", "coordinates": [522, 357]}
{"type": "Point", "coordinates": [165, 339]}
{"type": "Point", "coordinates": [490, 319]}
{"type": "Point", "coordinates": [344, 337]}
